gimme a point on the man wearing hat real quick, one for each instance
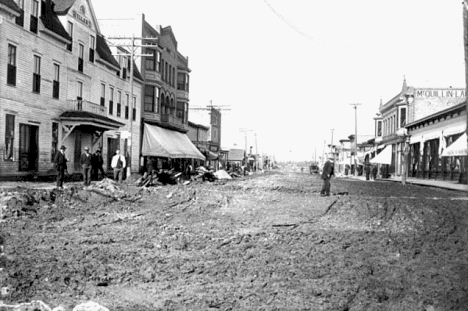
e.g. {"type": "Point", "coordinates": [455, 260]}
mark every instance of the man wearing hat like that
{"type": "Point", "coordinates": [85, 162]}
{"type": "Point", "coordinates": [327, 173]}
{"type": "Point", "coordinates": [60, 165]}
{"type": "Point", "coordinates": [96, 163]}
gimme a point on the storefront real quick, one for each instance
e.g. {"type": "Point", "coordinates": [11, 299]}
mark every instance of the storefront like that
{"type": "Point", "coordinates": [429, 138]}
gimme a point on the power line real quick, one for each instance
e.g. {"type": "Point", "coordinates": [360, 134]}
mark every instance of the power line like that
{"type": "Point", "coordinates": [290, 24]}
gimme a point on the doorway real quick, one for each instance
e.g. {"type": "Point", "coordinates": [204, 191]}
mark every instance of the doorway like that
{"type": "Point", "coordinates": [28, 148]}
{"type": "Point", "coordinates": [112, 147]}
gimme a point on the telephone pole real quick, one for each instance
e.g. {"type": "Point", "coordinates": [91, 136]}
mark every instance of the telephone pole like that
{"type": "Point", "coordinates": [331, 145]}
{"type": "Point", "coordinates": [132, 47]}
{"type": "Point", "coordinates": [355, 138]}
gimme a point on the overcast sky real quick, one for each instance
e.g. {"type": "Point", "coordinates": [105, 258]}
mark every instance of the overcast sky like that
{"type": "Point", "coordinates": [289, 70]}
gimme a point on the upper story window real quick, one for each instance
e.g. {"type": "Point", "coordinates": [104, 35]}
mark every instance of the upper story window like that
{"type": "Point", "coordinates": [92, 47]}
{"type": "Point", "coordinates": [119, 103]}
{"type": "Point", "coordinates": [79, 90]}
{"type": "Point", "coordinates": [80, 57]}
{"type": "Point", "coordinates": [111, 100]}
{"type": "Point", "coordinates": [379, 128]}
{"type": "Point", "coordinates": [37, 74]}
{"type": "Point", "coordinates": [182, 81]}
{"type": "Point", "coordinates": [127, 103]}
{"type": "Point", "coordinates": [82, 9]}
{"type": "Point", "coordinates": [34, 16]}
{"type": "Point", "coordinates": [170, 75]}
{"type": "Point", "coordinates": [70, 32]}
{"type": "Point", "coordinates": [103, 94]}
{"type": "Point", "coordinates": [20, 19]}
{"type": "Point", "coordinates": [11, 67]}
{"type": "Point", "coordinates": [150, 98]}
{"type": "Point", "coordinates": [56, 83]}
{"type": "Point", "coordinates": [402, 121]}
{"type": "Point", "coordinates": [150, 61]}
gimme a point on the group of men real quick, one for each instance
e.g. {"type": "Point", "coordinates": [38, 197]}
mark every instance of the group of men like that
{"type": "Point", "coordinates": [91, 165]}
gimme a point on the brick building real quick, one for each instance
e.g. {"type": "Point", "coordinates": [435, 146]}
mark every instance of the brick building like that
{"type": "Point", "coordinates": [165, 94]}
{"type": "Point", "coordinates": [409, 105]}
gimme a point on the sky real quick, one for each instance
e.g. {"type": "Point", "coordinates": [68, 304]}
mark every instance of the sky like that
{"type": "Point", "coordinates": [290, 70]}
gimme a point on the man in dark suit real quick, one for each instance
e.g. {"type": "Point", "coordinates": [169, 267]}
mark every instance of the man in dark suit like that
{"type": "Point", "coordinates": [327, 173]}
{"type": "Point", "coordinates": [61, 166]}
{"type": "Point", "coordinates": [97, 163]}
{"type": "Point", "coordinates": [85, 162]}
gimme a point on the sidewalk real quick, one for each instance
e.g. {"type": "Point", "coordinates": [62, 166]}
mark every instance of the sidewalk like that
{"type": "Point", "coordinates": [445, 184]}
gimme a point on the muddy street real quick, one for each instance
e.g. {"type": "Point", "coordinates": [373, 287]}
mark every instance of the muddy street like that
{"type": "Point", "coordinates": [265, 242]}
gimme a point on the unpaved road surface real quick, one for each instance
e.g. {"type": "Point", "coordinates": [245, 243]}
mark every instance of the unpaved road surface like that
{"type": "Point", "coordinates": [268, 242]}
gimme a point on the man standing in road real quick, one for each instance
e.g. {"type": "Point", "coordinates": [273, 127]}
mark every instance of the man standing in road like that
{"type": "Point", "coordinates": [85, 162]}
{"type": "Point", "coordinates": [97, 162]}
{"type": "Point", "coordinates": [118, 164]}
{"type": "Point", "coordinates": [327, 173]}
{"type": "Point", "coordinates": [61, 166]}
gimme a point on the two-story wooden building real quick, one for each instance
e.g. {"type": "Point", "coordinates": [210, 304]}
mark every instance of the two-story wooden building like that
{"type": "Point", "coordinates": [60, 85]}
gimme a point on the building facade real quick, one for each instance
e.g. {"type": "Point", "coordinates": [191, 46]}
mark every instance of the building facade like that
{"type": "Point", "coordinates": [409, 105]}
{"type": "Point", "coordinates": [60, 86]}
{"type": "Point", "coordinates": [165, 93]}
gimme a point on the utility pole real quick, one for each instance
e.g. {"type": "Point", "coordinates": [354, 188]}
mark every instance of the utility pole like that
{"type": "Point", "coordinates": [331, 145]}
{"type": "Point", "coordinates": [323, 152]}
{"type": "Point", "coordinates": [355, 138]}
{"type": "Point", "coordinates": [465, 40]}
{"type": "Point", "coordinates": [132, 46]}
{"type": "Point", "coordinates": [245, 136]}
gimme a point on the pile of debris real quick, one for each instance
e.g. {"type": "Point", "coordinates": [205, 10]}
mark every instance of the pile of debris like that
{"type": "Point", "coordinates": [173, 177]}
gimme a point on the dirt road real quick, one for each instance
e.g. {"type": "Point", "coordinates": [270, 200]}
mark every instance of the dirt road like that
{"type": "Point", "coordinates": [269, 242]}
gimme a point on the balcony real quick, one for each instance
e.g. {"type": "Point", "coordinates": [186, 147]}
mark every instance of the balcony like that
{"type": "Point", "coordinates": [84, 105]}
{"type": "Point", "coordinates": [182, 94]}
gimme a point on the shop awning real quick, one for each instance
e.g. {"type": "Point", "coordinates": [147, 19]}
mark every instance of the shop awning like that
{"type": "Point", "coordinates": [160, 142]}
{"type": "Point", "coordinates": [384, 157]}
{"type": "Point", "coordinates": [458, 148]}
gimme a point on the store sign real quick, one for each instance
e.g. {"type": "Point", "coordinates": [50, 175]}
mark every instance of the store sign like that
{"type": "Point", "coordinates": [81, 18]}
{"type": "Point", "coordinates": [450, 93]}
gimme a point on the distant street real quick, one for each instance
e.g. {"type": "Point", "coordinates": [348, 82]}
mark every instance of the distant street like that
{"type": "Point", "coordinates": [264, 242]}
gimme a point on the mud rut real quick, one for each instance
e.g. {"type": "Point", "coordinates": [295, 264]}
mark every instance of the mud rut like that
{"type": "Point", "coordinates": [264, 243]}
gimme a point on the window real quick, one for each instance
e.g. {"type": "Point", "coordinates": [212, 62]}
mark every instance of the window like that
{"type": "Point", "coordinates": [134, 109]}
{"type": "Point", "coordinates": [9, 137]}
{"type": "Point", "coordinates": [103, 94]}
{"type": "Point", "coordinates": [111, 100]}
{"type": "Point", "coordinates": [165, 71]}
{"type": "Point", "coordinates": [70, 32]}
{"type": "Point", "coordinates": [402, 116]}
{"type": "Point", "coordinates": [53, 149]}
{"type": "Point", "coordinates": [119, 102]}
{"type": "Point", "coordinates": [173, 76]}
{"type": "Point", "coordinates": [11, 68]}
{"type": "Point", "coordinates": [379, 128]}
{"type": "Point", "coordinates": [34, 16]}
{"type": "Point", "coordinates": [79, 91]}
{"type": "Point", "coordinates": [162, 69]}
{"type": "Point", "coordinates": [170, 75]}
{"type": "Point", "coordinates": [20, 19]}
{"type": "Point", "coordinates": [180, 110]}
{"type": "Point", "coordinates": [127, 103]}
{"type": "Point", "coordinates": [150, 61]}
{"type": "Point", "coordinates": [158, 61]}
{"type": "Point", "coordinates": [56, 83]}
{"type": "Point", "coordinates": [181, 81]}
{"type": "Point", "coordinates": [186, 113]}
{"type": "Point", "coordinates": [149, 98]}
{"type": "Point", "coordinates": [80, 58]}
{"type": "Point", "coordinates": [37, 74]}
{"type": "Point", "coordinates": [92, 47]}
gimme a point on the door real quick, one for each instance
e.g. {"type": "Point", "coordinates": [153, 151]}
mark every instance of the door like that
{"type": "Point", "coordinates": [28, 148]}
{"type": "Point", "coordinates": [112, 146]}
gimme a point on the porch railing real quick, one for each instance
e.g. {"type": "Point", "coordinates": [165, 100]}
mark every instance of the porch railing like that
{"type": "Point", "coordinates": [84, 105]}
